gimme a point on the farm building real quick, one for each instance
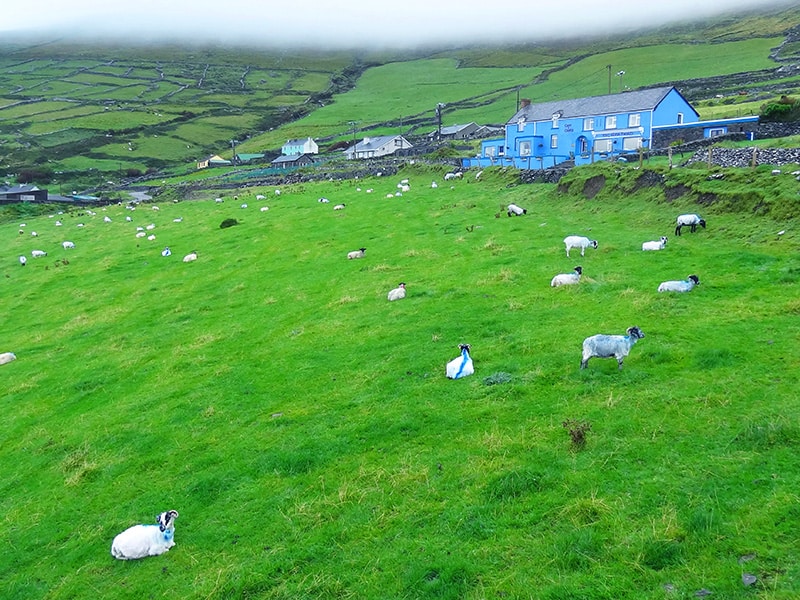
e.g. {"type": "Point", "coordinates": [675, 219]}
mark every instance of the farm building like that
{"type": "Point", "coordinates": [213, 161]}
{"type": "Point", "coordinates": [377, 146]}
{"type": "Point", "coordinates": [455, 132]}
{"type": "Point", "coordinates": [22, 193]}
{"type": "Point", "coordinates": [292, 161]}
{"type": "Point", "coordinates": [306, 146]}
{"type": "Point", "coordinates": [584, 130]}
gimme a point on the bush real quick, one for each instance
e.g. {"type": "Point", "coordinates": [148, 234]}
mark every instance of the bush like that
{"type": "Point", "coordinates": [228, 223]}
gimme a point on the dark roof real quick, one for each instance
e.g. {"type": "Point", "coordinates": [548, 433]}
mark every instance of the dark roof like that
{"type": "Point", "coordinates": [640, 100]}
{"type": "Point", "coordinates": [292, 158]}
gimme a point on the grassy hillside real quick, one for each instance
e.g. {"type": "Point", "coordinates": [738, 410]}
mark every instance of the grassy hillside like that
{"type": "Point", "coordinates": [79, 115]}
{"type": "Point", "coordinates": [303, 427]}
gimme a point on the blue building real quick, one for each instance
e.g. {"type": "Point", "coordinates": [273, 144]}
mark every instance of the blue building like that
{"type": "Point", "coordinates": [584, 130]}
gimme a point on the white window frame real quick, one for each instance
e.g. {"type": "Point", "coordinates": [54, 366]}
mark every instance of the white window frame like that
{"type": "Point", "coordinates": [588, 124]}
{"type": "Point", "coordinates": [634, 120]}
{"type": "Point", "coordinates": [554, 141]}
{"type": "Point", "coordinates": [603, 145]}
{"type": "Point", "coordinates": [525, 148]}
{"type": "Point", "coordinates": [556, 116]}
{"type": "Point", "coordinates": [490, 151]}
{"type": "Point", "coordinates": [631, 143]}
{"type": "Point", "coordinates": [521, 125]}
{"type": "Point", "coordinates": [680, 118]}
{"type": "Point", "coordinates": [611, 122]}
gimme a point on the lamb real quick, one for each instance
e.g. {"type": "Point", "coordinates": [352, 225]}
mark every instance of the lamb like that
{"type": "Point", "coordinates": [679, 286]}
{"type": "Point", "coordinates": [356, 253]}
{"type": "Point", "coordinates": [38, 253]}
{"type": "Point", "coordinates": [461, 366]}
{"type": "Point", "coordinates": [7, 357]}
{"type": "Point", "coordinates": [397, 293]}
{"type": "Point", "coordinates": [513, 209]}
{"type": "Point", "coordinates": [578, 241]}
{"type": "Point", "coordinates": [692, 220]}
{"type": "Point", "coordinates": [567, 278]}
{"type": "Point", "coordinates": [655, 245]}
{"type": "Point", "coordinates": [190, 257]}
{"type": "Point", "coordinates": [606, 346]}
{"type": "Point", "coordinates": [140, 541]}
{"type": "Point", "coordinates": [68, 245]}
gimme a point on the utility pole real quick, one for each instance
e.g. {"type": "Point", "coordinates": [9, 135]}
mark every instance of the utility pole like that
{"type": "Point", "coordinates": [609, 78]}
{"type": "Point", "coordinates": [233, 147]}
{"type": "Point", "coordinates": [439, 108]}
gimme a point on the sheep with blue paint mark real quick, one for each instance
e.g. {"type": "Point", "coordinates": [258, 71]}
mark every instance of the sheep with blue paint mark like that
{"type": "Point", "coordinates": [140, 541]}
{"type": "Point", "coordinates": [606, 346]}
{"type": "Point", "coordinates": [460, 366]}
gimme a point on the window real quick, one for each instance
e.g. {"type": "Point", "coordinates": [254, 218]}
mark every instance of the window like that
{"type": "Point", "coordinates": [521, 124]}
{"type": "Point", "coordinates": [555, 120]}
{"type": "Point", "coordinates": [602, 145]}
{"type": "Point", "coordinates": [680, 118]}
{"type": "Point", "coordinates": [611, 122]}
{"type": "Point", "coordinates": [715, 131]}
{"type": "Point", "coordinates": [399, 142]}
{"type": "Point", "coordinates": [634, 120]}
{"type": "Point", "coordinates": [583, 145]}
{"type": "Point", "coordinates": [490, 151]}
{"type": "Point", "coordinates": [524, 148]}
{"type": "Point", "coordinates": [588, 124]}
{"type": "Point", "coordinates": [554, 141]}
{"type": "Point", "coordinates": [632, 143]}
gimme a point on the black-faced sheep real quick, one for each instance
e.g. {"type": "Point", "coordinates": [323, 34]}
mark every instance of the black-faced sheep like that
{"type": "Point", "coordinates": [397, 293]}
{"type": "Point", "coordinates": [356, 253]}
{"type": "Point", "coordinates": [578, 241]}
{"type": "Point", "coordinates": [567, 278]}
{"type": "Point", "coordinates": [513, 209]}
{"type": "Point", "coordinates": [146, 540]}
{"type": "Point", "coordinates": [460, 366]}
{"type": "Point", "coordinates": [606, 346]}
{"type": "Point", "coordinates": [689, 220]}
{"type": "Point", "coordinates": [685, 285]}
{"type": "Point", "coordinates": [655, 244]}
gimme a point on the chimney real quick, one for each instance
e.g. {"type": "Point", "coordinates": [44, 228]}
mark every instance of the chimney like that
{"type": "Point", "coordinates": [524, 102]}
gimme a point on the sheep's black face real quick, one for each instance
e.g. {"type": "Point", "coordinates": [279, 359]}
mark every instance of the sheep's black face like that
{"type": "Point", "coordinates": [166, 520]}
{"type": "Point", "coordinates": [578, 270]}
{"type": "Point", "coordinates": [694, 279]}
{"type": "Point", "coordinates": [464, 347]}
{"type": "Point", "coordinates": [635, 332]}
{"type": "Point", "coordinates": [594, 244]}
{"type": "Point", "coordinates": [703, 223]}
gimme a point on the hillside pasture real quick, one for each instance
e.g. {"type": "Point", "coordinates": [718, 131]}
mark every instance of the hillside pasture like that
{"type": "Point", "coordinates": [304, 429]}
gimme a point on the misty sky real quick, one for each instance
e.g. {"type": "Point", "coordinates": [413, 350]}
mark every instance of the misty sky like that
{"type": "Point", "coordinates": [353, 23]}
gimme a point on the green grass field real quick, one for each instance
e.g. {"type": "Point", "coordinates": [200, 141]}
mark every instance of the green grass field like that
{"type": "Point", "coordinates": [304, 429]}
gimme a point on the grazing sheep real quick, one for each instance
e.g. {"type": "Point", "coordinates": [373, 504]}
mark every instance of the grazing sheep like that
{"type": "Point", "coordinates": [190, 257]}
{"type": "Point", "coordinates": [356, 253]}
{"type": "Point", "coordinates": [156, 208]}
{"type": "Point", "coordinates": [567, 278]}
{"type": "Point", "coordinates": [140, 541]}
{"type": "Point", "coordinates": [264, 208]}
{"type": "Point", "coordinates": [58, 223]}
{"type": "Point", "coordinates": [151, 227]}
{"type": "Point", "coordinates": [460, 366]}
{"type": "Point", "coordinates": [23, 261]}
{"type": "Point", "coordinates": [397, 293]}
{"type": "Point", "coordinates": [277, 192]}
{"type": "Point", "coordinates": [655, 245]}
{"type": "Point", "coordinates": [106, 219]}
{"type": "Point", "coordinates": [260, 196]}
{"type": "Point", "coordinates": [513, 209]}
{"type": "Point", "coordinates": [7, 357]}
{"type": "Point", "coordinates": [38, 253]}
{"type": "Point", "coordinates": [177, 220]}
{"type": "Point", "coordinates": [219, 200]}
{"type": "Point", "coordinates": [68, 245]}
{"type": "Point", "coordinates": [338, 207]}
{"type": "Point", "coordinates": [679, 286]}
{"type": "Point", "coordinates": [606, 346]}
{"type": "Point", "coordinates": [166, 251]}
{"type": "Point", "coordinates": [578, 241]}
{"type": "Point", "coordinates": [691, 220]}
{"type": "Point", "coordinates": [34, 234]}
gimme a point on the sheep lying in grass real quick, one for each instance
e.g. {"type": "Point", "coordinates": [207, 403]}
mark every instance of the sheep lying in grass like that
{"type": "Point", "coordinates": [606, 346]}
{"type": "Point", "coordinates": [513, 209]}
{"type": "Point", "coordinates": [38, 253]}
{"type": "Point", "coordinates": [397, 293]}
{"type": "Point", "coordinates": [679, 286]}
{"type": "Point", "coordinates": [689, 220]}
{"type": "Point", "coordinates": [356, 253]}
{"type": "Point", "coordinates": [192, 256]}
{"type": "Point", "coordinates": [146, 540]}
{"type": "Point", "coordinates": [567, 278]}
{"type": "Point", "coordinates": [338, 207]}
{"type": "Point", "coordinates": [578, 241]}
{"type": "Point", "coordinates": [7, 357]}
{"type": "Point", "coordinates": [461, 366]}
{"type": "Point", "coordinates": [166, 251]}
{"type": "Point", "coordinates": [655, 245]}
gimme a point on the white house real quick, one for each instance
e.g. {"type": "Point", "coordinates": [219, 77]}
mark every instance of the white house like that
{"type": "Point", "coordinates": [306, 146]}
{"type": "Point", "coordinates": [377, 146]}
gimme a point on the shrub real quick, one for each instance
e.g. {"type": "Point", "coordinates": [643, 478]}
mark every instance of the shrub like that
{"type": "Point", "coordinates": [228, 223]}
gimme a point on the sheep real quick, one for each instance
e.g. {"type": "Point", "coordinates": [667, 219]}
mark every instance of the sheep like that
{"type": "Point", "coordinates": [264, 208]}
{"type": "Point", "coordinates": [692, 220]}
{"type": "Point", "coordinates": [460, 366]}
{"type": "Point", "coordinates": [38, 253]}
{"type": "Point", "coordinates": [679, 286]}
{"type": "Point", "coordinates": [140, 541]}
{"type": "Point", "coordinates": [177, 220]}
{"type": "Point", "coordinates": [140, 234]}
{"type": "Point", "coordinates": [356, 253]}
{"type": "Point", "coordinates": [277, 192]}
{"type": "Point", "coordinates": [323, 200]}
{"type": "Point", "coordinates": [190, 257]}
{"type": "Point", "coordinates": [338, 207]}
{"type": "Point", "coordinates": [151, 227]}
{"type": "Point", "coordinates": [156, 208]}
{"type": "Point", "coordinates": [68, 245]}
{"type": "Point", "coordinates": [606, 346]}
{"type": "Point", "coordinates": [166, 251]}
{"type": "Point", "coordinates": [23, 261]}
{"type": "Point", "coordinates": [513, 209]}
{"type": "Point", "coordinates": [578, 241]}
{"type": "Point", "coordinates": [244, 205]}
{"type": "Point", "coordinates": [655, 245]}
{"type": "Point", "coordinates": [151, 237]}
{"type": "Point", "coordinates": [34, 234]}
{"type": "Point", "coordinates": [434, 185]}
{"type": "Point", "coordinates": [567, 278]}
{"type": "Point", "coordinates": [397, 293]}
{"type": "Point", "coordinates": [260, 197]}
{"type": "Point", "coordinates": [219, 200]}
{"type": "Point", "coordinates": [106, 219]}
{"type": "Point", "coordinates": [58, 223]}
{"type": "Point", "coordinates": [7, 357]}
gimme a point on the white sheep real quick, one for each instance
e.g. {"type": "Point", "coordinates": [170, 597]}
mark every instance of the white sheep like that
{"type": "Point", "coordinates": [260, 196]}
{"type": "Point", "coordinates": [156, 208]}
{"type": "Point", "coordinates": [689, 220]}
{"type": "Point", "coordinates": [140, 234]}
{"type": "Point", "coordinates": [606, 346]}
{"type": "Point", "coordinates": [151, 237]}
{"type": "Point", "coordinates": [434, 185]}
{"type": "Point", "coordinates": [219, 200]}
{"type": "Point", "coordinates": [397, 293]}
{"type": "Point", "coordinates": [655, 244]}
{"type": "Point", "coordinates": [277, 192]}
{"type": "Point", "coordinates": [579, 241]}
{"type": "Point", "coordinates": [460, 366]}
{"type": "Point", "coordinates": [68, 245]}
{"type": "Point", "coordinates": [356, 253]}
{"type": "Point", "coordinates": [190, 257]}
{"type": "Point", "coordinates": [323, 200]}
{"type": "Point", "coordinates": [107, 219]}
{"type": "Point", "coordinates": [567, 278]}
{"type": "Point", "coordinates": [513, 209]}
{"type": "Point", "coordinates": [177, 220]}
{"type": "Point", "coordinates": [38, 253]}
{"type": "Point", "coordinates": [7, 357]}
{"type": "Point", "coordinates": [244, 205]}
{"type": "Point", "coordinates": [34, 234]}
{"type": "Point", "coordinates": [264, 208]}
{"type": "Point", "coordinates": [338, 207]}
{"type": "Point", "coordinates": [679, 286]}
{"type": "Point", "coordinates": [166, 251]}
{"type": "Point", "coordinates": [140, 541]}
{"type": "Point", "coordinates": [23, 261]}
